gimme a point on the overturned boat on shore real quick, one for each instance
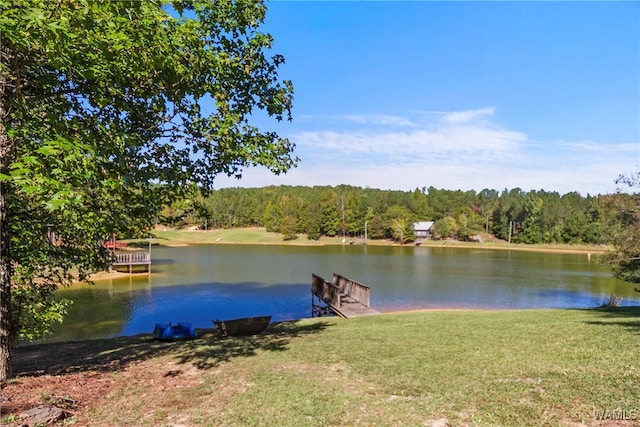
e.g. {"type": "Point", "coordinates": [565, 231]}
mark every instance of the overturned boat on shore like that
{"type": "Point", "coordinates": [242, 327]}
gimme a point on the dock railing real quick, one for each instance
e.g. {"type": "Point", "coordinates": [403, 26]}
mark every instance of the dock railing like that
{"type": "Point", "coordinates": [327, 291]}
{"type": "Point", "coordinates": [132, 258]}
{"type": "Point", "coordinates": [132, 261]}
{"type": "Point", "coordinates": [355, 290]}
{"type": "Point", "coordinates": [343, 297]}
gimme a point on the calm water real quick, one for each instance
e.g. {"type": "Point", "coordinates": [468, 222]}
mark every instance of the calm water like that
{"type": "Point", "coordinates": [204, 282]}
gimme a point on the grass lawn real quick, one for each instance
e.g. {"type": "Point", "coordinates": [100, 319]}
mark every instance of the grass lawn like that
{"type": "Point", "coordinates": [258, 235]}
{"type": "Point", "coordinates": [232, 235]}
{"type": "Point", "coordinates": [436, 368]}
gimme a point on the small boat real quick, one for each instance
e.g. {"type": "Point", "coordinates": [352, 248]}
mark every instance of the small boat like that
{"type": "Point", "coordinates": [243, 326]}
{"type": "Point", "coordinates": [182, 330]}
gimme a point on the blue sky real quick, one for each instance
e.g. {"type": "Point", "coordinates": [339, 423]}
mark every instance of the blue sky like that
{"type": "Point", "coordinates": [459, 95]}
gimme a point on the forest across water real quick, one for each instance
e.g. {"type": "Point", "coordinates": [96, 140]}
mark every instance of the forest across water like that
{"type": "Point", "coordinates": [517, 216]}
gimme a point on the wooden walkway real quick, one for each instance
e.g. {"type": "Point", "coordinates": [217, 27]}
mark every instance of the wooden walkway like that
{"type": "Point", "coordinates": [342, 297]}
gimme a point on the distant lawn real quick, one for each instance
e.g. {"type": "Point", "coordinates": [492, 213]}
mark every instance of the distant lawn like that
{"type": "Point", "coordinates": [244, 235]}
{"type": "Point", "coordinates": [233, 235]}
{"type": "Point", "coordinates": [257, 235]}
{"type": "Point", "coordinates": [486, 368]}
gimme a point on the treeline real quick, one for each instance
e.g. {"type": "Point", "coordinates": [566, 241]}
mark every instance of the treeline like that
{"type": "Point", "coordinates": [515, 215]}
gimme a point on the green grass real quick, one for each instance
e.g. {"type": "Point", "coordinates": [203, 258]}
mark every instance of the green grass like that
{"type": "Point", "coordinates": [257, 235]}
{"type": "Point", "coordinates": [506, 368]}
{"type": "Point", "coordinates": [233, 235]}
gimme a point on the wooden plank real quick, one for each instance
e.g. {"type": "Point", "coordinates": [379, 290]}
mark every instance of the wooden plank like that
{"type": "Point", "coordinates": [351, 310]}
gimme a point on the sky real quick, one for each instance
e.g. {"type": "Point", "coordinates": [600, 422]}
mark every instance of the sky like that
{"type": "Point", "coordinates": [458, 95]}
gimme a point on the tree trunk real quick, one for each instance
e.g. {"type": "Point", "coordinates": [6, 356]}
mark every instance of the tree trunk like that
{"type": "Point", "coordinates": [6, 340]}
{"type": "Point", "coordinates": [6, 152]}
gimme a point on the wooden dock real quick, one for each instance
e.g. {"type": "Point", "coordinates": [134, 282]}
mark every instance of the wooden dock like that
{"type": "Point", "coordinates": [133, 262]}
{"type": "Point", "coordinates": [342, 297]}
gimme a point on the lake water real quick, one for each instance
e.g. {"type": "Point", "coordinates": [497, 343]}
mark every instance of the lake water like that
{"type": "Point", "coordinates": [200, 283]}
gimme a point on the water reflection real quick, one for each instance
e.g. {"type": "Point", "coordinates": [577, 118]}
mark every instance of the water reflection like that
{"type": "Point", "coordinates": [204, 282]}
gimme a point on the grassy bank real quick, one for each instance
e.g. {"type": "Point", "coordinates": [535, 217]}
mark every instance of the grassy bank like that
{"type": "Point", "coordinates": [508, 368]}
{"type": "Point", "coordinates": [232, 235]}
{"type": "Point", "coordinates": [260, 236]}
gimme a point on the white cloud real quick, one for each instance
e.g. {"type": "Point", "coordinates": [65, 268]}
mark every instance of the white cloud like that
{"type": "Point", "coordinates": [469, 115]}
{"type": "Point", "coordinates": [362, 119]}
{"type": "Point", "coordinates": [380, 119]}
{"type": "Point", "coordinates": [422, 143]}
{"type": "Point", "coordinates": [452, 151]}
{"type": "Point", "coordinates": [597, 148]}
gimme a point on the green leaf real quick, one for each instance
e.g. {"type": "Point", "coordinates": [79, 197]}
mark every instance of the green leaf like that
{"type": "Point", "coordinates": [54, 204]}
{"type": "Point", "coordinates": [47, 150]}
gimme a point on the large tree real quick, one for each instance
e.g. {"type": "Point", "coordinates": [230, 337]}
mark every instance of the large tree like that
{"type": "Point", "coordinates": [624, 258]}
{"type": "Point", "coordinates": [106, 109]}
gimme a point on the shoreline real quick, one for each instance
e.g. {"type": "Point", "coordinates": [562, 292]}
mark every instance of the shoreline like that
{"type": "Point", "coordinates": [531, 248]}
{"type": "Point", "coordinates": [203, 331]}
{"type": "Point", "coordinates": [258, 236]}
{"type": "Point", "coordinates": [454, 245]}
{"type": "Point", "coordinates": [109, 275]}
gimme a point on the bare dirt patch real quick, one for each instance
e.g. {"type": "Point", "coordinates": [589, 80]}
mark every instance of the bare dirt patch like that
{"type": "Point", "coordinates": [76, 376]}
{"type": "Point", "coordinates": [72, 393]}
